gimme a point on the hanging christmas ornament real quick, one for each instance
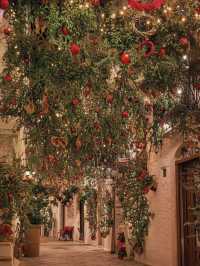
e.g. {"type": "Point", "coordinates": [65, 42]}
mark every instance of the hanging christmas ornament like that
{"type": "Point", "coordinates": [4, 4]}
{"type": "Point", "coordinates": [149, 48]}
{"type": "Point", "coordinates": [30, 108]}
{"type": "Point", "coordinates": [7, 31]}
{"type": "Point", "coordinates": [78, 163]}
{"type": "Point", "coordinates": [65, 31]}
{"type": "Point", "coordinates": [125, 58]}
{"type": "Point", "coordinates": [97, 126]}
{"type": "Point", "coordinates": [162, 52]}
{"type": "Point", "coordinates": [7, 77]}
{"type": "Point", "coordinates": [45, 104]}
{"type": "Point", "coordinates": [144, 24]}
{"type": "Point", "coordinates": [184, 41]}
{"type": "Point", "coordinates": [74, 49]}
{"type": "Point", "coordinates": [78, 144]}
{"type": "Point", "coordinates": [125, 114]}
{"type": "Point", "coordinates": [146, 190]}
{"type": "Point", "coordinates": [109, 98]}
{"type": "Point", "coordinates": [146, 6]}
{"type": "Point", "coordinates": [58, 142]}
{"type": "Point", "coordinates": [142, 176]}
{"type": "Point", "coordinates": [75, 102]}
{"type": "Point", "coordinates": [95, 2]}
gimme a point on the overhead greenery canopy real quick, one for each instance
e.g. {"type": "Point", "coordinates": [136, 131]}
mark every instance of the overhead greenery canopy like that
{"type": "Point", "coordinates": [93, 81]}
{"type": "Point", "coordinates": [82, 77]}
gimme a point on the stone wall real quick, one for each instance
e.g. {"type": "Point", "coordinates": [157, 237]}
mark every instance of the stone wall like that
{"type": "Point", "coordinates": [161, 244]}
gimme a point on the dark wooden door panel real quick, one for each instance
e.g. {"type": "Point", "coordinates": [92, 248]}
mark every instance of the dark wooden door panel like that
{"type": "Point", "coordinates": [82, 221]}
{"type": "Point", "coordinates": [189, 177]}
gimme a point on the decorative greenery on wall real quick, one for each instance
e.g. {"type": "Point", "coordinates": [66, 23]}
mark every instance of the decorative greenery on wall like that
{"type": "Point", "coordinates": [106, 214]}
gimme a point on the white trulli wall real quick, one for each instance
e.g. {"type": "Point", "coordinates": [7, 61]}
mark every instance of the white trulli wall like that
{"type": "Point", "coordinates": [161, 243]}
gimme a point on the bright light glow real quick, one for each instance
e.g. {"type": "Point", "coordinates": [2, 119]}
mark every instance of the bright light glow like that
{"type": "Point", "coordinates": [185, 57]}
{"type": "Point", "coordinates": [183, 19]}
{"type": "Point", "coordinates": [179, 91]}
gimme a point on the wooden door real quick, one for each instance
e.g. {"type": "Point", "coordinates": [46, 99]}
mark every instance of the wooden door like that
{"type": "Point", "coordinates": [189, 197]}
{"type": "Point", "coordinates": [82, 221]}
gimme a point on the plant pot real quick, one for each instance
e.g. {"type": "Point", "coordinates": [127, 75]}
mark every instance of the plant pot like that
{"type": "Point", "coordinates": [6, 251]}
{"type": "Point", "coordinates": [32, 241]}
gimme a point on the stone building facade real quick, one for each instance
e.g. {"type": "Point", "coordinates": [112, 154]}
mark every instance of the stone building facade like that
{"type": "Point", "coordinates": [165, 242]}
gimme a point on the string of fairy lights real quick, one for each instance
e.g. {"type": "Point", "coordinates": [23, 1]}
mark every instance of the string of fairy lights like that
{"type": "Point", "coordinates": [151, 21]}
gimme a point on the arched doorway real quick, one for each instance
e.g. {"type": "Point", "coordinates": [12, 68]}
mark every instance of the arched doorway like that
{"type": "Point", "coordinates": [188, 224]}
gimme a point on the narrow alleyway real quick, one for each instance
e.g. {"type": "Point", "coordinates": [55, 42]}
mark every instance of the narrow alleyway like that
{"type": "Point", "coordinates": [74, 254]}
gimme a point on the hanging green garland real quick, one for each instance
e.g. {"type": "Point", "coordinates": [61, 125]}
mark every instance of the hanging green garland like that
{"type": "Point", "coordinates": [132, 188]}
{"type": "Point", "coordinates": [106, 215]}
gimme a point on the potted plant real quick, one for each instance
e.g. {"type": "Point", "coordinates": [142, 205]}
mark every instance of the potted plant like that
{"type": "Point", "coordinates": [39, 213]}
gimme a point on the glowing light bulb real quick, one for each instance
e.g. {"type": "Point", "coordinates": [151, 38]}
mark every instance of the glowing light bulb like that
{"type": "Point", "coordinates": [179, 91]}
{"type": "Point", "coordinates": [185, 57]}
{"type": "Point", "coordinates": [183, 19]}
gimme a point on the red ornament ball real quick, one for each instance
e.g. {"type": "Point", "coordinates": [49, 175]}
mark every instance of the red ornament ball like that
{"type": "Point", "coordinates": [4, 4]}
{"type": "Point", "coordinates": [7, 77]}
{"type": "Point", "coordinates": [146, 190]}
{"type": "Point", "coordinates": [162, 52]}
{"type": "Point", "coordinates": [65, 31]}
{"type": "Point", "coordinates": [109, 98]}
{"type": "Point", "coordinates": [95, 2]}
{"type": "Point", "coordinates": [125, 58]}
{"type": "Point", "coordinates": [75, 49]}
{"type": "Point", "coordinates": [75, 102]}
{"type": "Point", "coordinates": [125, 114]}
{"type": "Point", "coordinates": [7, 31]}
{"type": "Point", "coordinates": [184, 41]}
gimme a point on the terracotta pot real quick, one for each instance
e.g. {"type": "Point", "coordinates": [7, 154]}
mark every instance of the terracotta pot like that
{"type": "Point", "coordinates": [32, 241]}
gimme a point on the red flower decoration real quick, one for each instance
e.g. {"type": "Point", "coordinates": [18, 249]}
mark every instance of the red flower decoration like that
{"type": "Point", "coordinates": [149, 45]}
{"type": "Point", "coordinates": [152, 5]}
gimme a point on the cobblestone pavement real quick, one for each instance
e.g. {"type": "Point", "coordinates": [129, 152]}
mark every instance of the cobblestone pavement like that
{"type": "Point", "coordinates": [74, 254]}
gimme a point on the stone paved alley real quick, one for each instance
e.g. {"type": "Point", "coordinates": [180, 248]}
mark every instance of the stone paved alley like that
{"type": "Point", "coordinates": [74, 254]}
